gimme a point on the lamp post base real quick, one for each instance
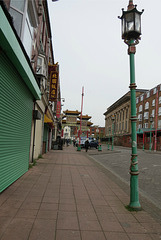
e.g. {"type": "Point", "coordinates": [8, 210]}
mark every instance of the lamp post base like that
{"type": "Point", "coordinates": [99, 147]}
{"type": "Point", "coordinates": [134, 192]}
{"type": "Point", "coordinates": [79, 148]}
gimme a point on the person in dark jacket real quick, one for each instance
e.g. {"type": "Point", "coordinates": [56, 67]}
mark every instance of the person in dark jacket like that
{"type": "Point", "coordinates": [86, 144]}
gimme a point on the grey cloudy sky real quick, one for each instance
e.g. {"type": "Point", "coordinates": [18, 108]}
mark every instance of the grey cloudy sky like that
{"type": "Point", "coordinates": [88, 46]}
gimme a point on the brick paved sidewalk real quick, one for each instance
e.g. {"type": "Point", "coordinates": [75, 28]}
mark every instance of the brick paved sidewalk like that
{"type": "Point", "coordinates": [66, 196]}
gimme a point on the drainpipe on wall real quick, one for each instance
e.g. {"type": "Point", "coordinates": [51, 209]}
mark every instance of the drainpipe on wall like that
{"type": "Point", "coordinates": [33, 147]}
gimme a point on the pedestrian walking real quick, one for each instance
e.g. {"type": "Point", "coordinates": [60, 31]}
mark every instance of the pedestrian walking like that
{"type": "Point", "coordinates": [86, 144]}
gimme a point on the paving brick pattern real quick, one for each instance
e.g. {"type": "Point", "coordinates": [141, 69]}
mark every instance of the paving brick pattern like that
{"type": "Point", "coordinates": [66, 196]}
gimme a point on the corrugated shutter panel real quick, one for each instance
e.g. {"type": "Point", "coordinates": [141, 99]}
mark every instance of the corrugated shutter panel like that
{"type": "Point", "coordinates": [16, 104]}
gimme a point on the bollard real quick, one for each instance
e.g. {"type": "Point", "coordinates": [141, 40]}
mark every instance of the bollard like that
{"type": "Point", "coordinates": [99, 147]}
{"type": "Point", "coordinates": [79, 147]}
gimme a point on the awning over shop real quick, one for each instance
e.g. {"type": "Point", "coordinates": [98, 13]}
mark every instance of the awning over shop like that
{"type": "Point", "coordinates": [147, 130]}
{"type": "Point", "coordinates": [47, 120]}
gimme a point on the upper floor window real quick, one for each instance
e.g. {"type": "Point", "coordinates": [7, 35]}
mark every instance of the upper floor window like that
{"type": "Point", "coordinates": [153, 102]}
{"type": "Point", "coordinates": [159, 100]}
{"type": "Point", "coordinates": [140, 117]}
{"type": "Point", "coordinates": [142, 97]}
{"type": "Point", "coordinates": [41, 65]}
{"type": "Point", "coordinates": [145, 125]}
{"type": "Point", "coordinates": [159, 111]}
{"type": "Point", "coordinates": [153, 112]}
{"type": "Point", "coordinates": [140, 108]}
{"type": "Point", "coordinates": [159, 123]}
{"type": "Point", "coordinates": [17, 9]}
{"type": "Point", "coordinates": [147, 105]}
{"type": "Point", "coordinates": [146, 115]}
{"type": "Point", "coordinates": [139, 126]}
{"type": "Point", "coordinates": [154, 90]}
{"type": "Point", "coordinates": [25, 18]}
{"type": "Point", "coordinates": [148, 94]}
{"type": "Point", "coordinates": [137, 100]}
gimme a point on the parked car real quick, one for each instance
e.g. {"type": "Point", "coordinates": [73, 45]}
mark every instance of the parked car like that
{"type": "Point", "coordinates": [93, 144]}
{"type": "Point", "coordinates": [82, 142]}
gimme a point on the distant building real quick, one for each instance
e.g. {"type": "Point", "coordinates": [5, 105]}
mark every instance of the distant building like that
{"type": "Point", "coordinates": [72, 119]}
{"type": "Point", "coordinates": [120, 112]}
{"type": "Point", "coordinates": [148, 107]}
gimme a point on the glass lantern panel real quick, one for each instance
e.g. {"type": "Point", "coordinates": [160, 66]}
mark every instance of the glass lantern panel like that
{"type": "Point", "coordinates": [123, 25]}
{"type": "Point", "coordinates": [137, 22]}
{"type": "Point", "coordinates": [129, 18]}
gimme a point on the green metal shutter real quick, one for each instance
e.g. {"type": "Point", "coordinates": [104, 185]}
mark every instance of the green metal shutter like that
{"type": "Point", "coordinates": [16, 105]}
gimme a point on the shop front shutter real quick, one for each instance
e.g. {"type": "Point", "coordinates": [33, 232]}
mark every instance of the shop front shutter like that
{"type": "Point", "coordinates": [16, 105]}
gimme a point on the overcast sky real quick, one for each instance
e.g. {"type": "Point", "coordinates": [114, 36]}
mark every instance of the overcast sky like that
{"type": "Point", "coordinates": [88, 46]}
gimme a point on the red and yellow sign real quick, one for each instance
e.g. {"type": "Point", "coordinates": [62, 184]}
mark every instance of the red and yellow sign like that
{"type": "Point", "coordinates": [53, 71]}
{"type": "Point", "coordinates": [53, 86]}
{"type": "Point", "coordinates": [58, 109]}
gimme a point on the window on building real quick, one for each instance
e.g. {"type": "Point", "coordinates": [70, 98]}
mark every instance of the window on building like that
{"type": "Point", "coordinates": [25, 18]}
{"type": "Point", "coordinates": [136, 110]}
{"type": "Point", "coordinates": [148, 94]}
{"type": "Point", "coordinates": [140, 108]}
{"type": "Point", "coordinates": [17, 12]}
{"type": "Point", "coordinates": [142, 97]}
{"type": "Point", "coordinates": [145, 125]}
{"type": "Point", "coordinates": [122, 126]}
{"type": "Point", "coordinates": [153, 102]}
{"type": "Point", "coordinates": [139, 126]}
{"type": "Point", "coordinates": [41, 65]}
{"type": "Point", "coordinates": [146, 115]}
{"type": "Point", "coordinates": [147, 105]}
{"type": "Point", "coordinates": [159, 123]}
{"type": "Point", "coordinates": [126, 126]}
{"type": "Point", "coordinates": [140, 117]}
{"type": "Point", "coordinates": [137, 100]}
{"type": "Point", "coordinates": [159, 111]}
{"type": "Point", "coordinates": [153, 113]}
{"type": "Point", "coordinates": [159, 100]}
{"type": "Point", "coordinates": [154, 90]}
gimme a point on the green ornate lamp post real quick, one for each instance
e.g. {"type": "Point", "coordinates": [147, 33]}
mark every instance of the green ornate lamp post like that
{"type": "Point", "coordinates": [113, 119]}
{"type": "Point", "coordinates": [151, 120]}
{"type": "Point", "coordinates": [131, 31]}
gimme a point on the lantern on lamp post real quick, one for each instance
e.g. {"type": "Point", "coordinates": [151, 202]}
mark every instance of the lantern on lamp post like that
{"type": "Point", "coordinates": [131, 31]}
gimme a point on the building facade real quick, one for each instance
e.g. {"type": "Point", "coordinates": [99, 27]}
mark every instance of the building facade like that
{"type": "Point", "coordinates": [25, 55]}
{"type": "Point", "coordinates": [148, 107]}
{"type": "Point", "coordinates": [117, 120]}
{"type": "Point", "coordinates": [18, 91]}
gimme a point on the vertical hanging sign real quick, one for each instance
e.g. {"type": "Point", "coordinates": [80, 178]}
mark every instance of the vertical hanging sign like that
{"type": "Point", "coordinates": [58, 109]}
{"type": "Point", "coordinates": [54, 75]}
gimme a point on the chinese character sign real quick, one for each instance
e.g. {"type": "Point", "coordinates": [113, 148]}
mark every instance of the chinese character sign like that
{"type": "Point", "coordinates": [58, 109]}
{"type": "Point", "coordinates": [53, 86]}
